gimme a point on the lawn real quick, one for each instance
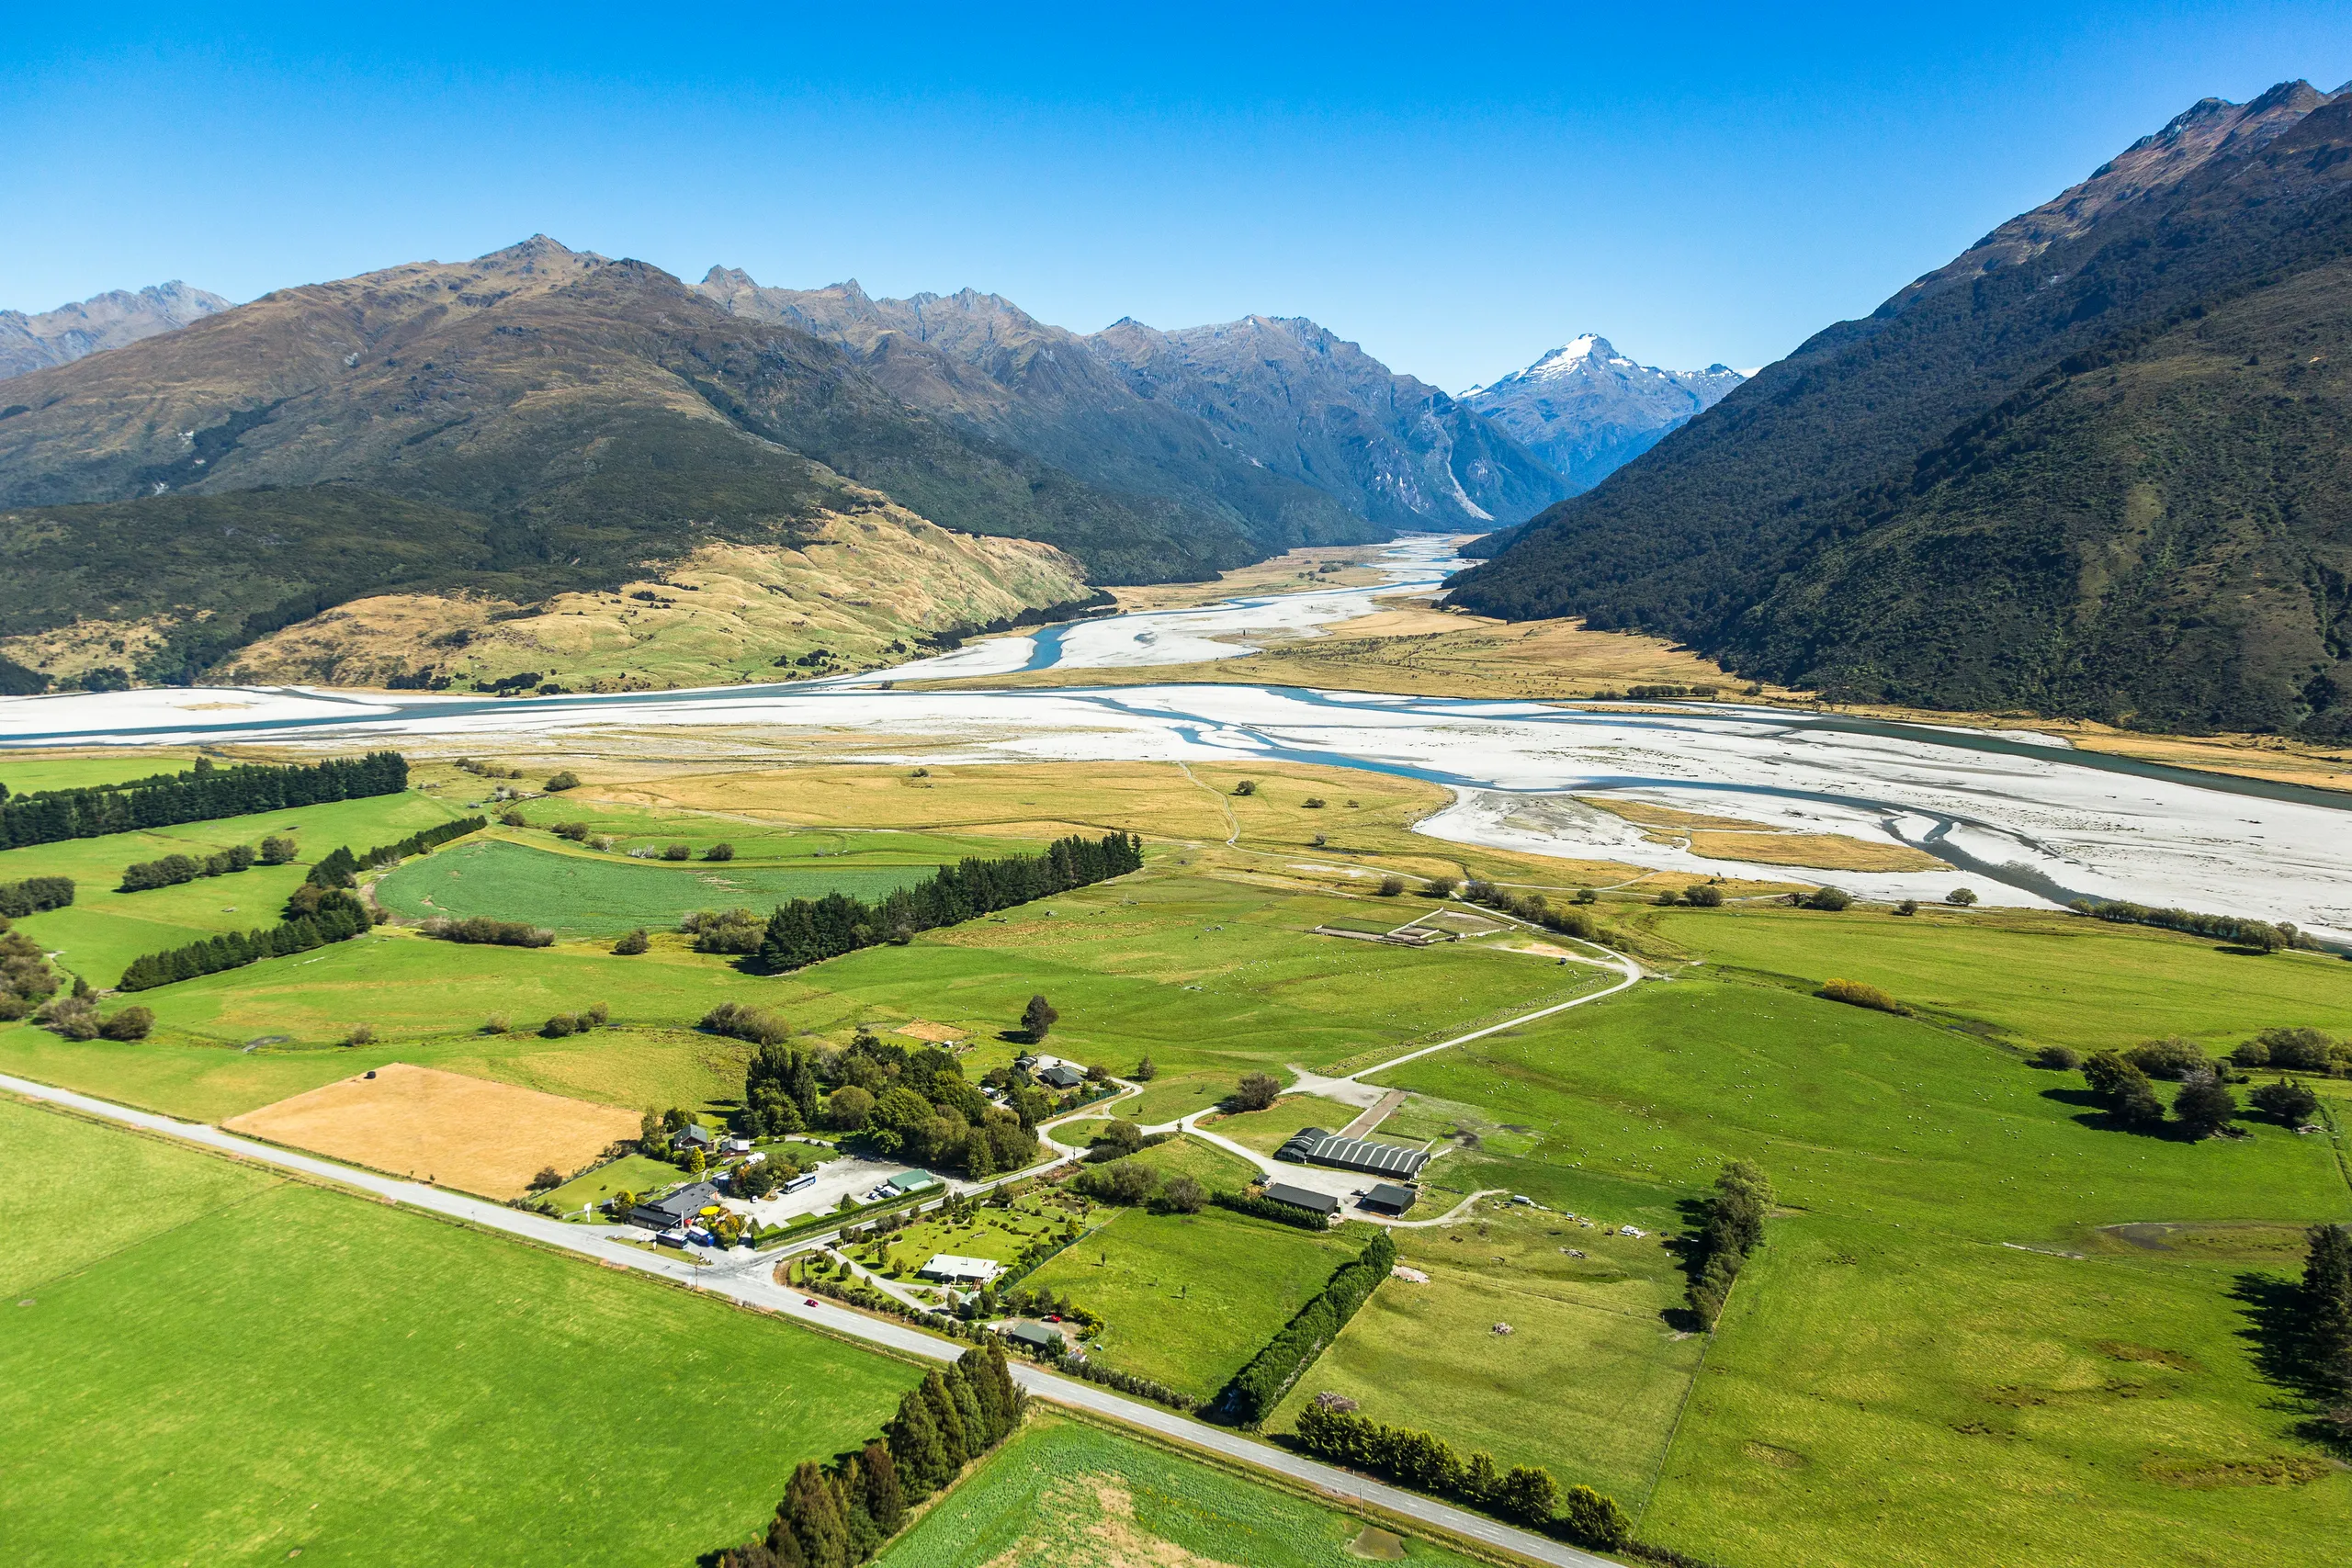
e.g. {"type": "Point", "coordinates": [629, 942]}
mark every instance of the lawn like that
{"type": "Point", "coordinates": [1000, 1234]}
{"type": "Point", "coordinates": [1878, 1399]}
{"type": "Point", "coordinates": [1587, 1383]}
{"type": "Point", "coordinates": [1213, 1167]}
{"type": "Point", "coordinates": [98, 935]}
{"type": "Point", "coordinates": [1064, 1495]}
{"type": "Point", "coordinates": [633, 1174]}
{"type": "Point", "coordinates": [1266, 1130]}
{"type": "Point", "coordinates": [25, 775]}
{"type": "Point", "coordinates": [585, 894]}
{"type": "Point", "coordinates": [1188, 1299]}
{"type": "Point", "coordinates": [295, 1370]}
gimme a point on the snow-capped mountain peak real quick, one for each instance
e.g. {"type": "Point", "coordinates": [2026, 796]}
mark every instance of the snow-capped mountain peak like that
{"type": "Point", "coordinates": [1587, 409]}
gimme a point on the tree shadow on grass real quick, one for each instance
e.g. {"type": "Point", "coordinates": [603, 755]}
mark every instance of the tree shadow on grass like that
{"type": "Point", "coordinates": [2267, 1306]}
{"type": "Point", "coordinates": [2093, 1113]}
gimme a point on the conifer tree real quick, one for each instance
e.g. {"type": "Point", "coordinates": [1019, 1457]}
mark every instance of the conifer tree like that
{"type": "Point", "coordinates": [955, 1444]}
{"type": "Point", "coordinates": [2326, 1306]}
{"type": "Point", "coordinates": [913, 1438]}
{"type": "Point", "coordinates": [884, 1501]}
{"type": "Point", "coordinates": [814, 1510]}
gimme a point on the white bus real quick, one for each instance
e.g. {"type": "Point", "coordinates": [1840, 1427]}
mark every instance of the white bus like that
{"type": "Point", "coordinates": [806, 1178]}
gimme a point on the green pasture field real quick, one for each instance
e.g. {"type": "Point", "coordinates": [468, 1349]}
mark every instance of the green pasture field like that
{"type": "Point", "coordinates": [1876, 1397]}
{"type": "Point", "coordinates": [1213, 1167]}
{"type": "Point", "coordinates": [585, 894]}
{"type": "Point", "coordinates": [1064, 1495]}
{"type": "Point", "coordinates": [98, 935]}
{"type": "Point", "coordinates": [2032, 978]}
{"type": "Point", "coordinates": [1266, 1130]}
{"type": "Point", "coordinates": [294, 1369]}
{"type": "Point", "coordinates": [997, 1233]}
{"type": "Point", "coordinates": [29, 776]}
{"type": "Point", "coordinates": [1188, 1299]}
{"type": "Point", "coordinates": [1587, 1383]}
{"type": "Point", "coordinates": [631, 1173]}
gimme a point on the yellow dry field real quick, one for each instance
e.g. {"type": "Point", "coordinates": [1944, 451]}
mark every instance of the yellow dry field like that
{"type": "Point", "coordinates": [1294, 572]}
{"type": "Point", "coordinates": [459, 1132]}
{"type": "Point", "coordinates": [1758, 843]}
{"type": "Point", "coordinates": [1649, 815]}
{"type": "Point", "coordinates": [932, 1033]}
{"type": "Point", "coordinates": [860, 588]}
{"type": "Point", "coordinates": [1089, 1521]}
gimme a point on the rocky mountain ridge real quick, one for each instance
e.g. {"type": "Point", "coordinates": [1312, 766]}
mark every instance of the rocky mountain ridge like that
{"type": "Point", "coordinates": [35, 342]}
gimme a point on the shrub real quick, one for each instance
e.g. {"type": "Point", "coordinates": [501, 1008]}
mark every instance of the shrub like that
{"type": "Point", "coordinates": [848, 1109]}
{"type": "Point", "coordinates": [720, 851]}
{"type": "Point", "coordinates": [130, 1024]}
{"type": "Point", "coordinates": [1182, 1195]}
{"type": "Point", "coordinates": [1115, 1141]}
{"type": "Point", "coordinates": [1706, 895]}
{"type": "Point", "coordinates": [1313, 803]}
{"type": "Point", "coordinates": [1854, 993]}
{"type": "Point", "coordinates": [1962, 896]}
{"type": "Point", "coordinates": [549, 1177]}
{"type": "Point", "coordinates": [2058, 1058]}
{"type": "Point", "coordinates": [633, 943]}
{"type": "Point", "coordinates": [1587, 896]}
{"type": "Point", "coordinates": [1440, 888]}
{"type": "Point", "coordinates": [1733, 1226]}
{"type": "Point", "coordinates": [1390, 886]}
{"type": "Point", "coordinates": [1247, 787]}
{"type": "Point", "coordinates": [2123, 1088]}
{"type": "Point", "coordinates": [1257, 1388]}
{"type": "Point", "coordinates": [1667, 897]}
{"type": "Point", "coordinates": [2303, 1050]}
{"type": "Point", "coordinates": [2287, 1102]}
{"type": "Point", "coordinates": [734, 931]}
{"type": "Point", "coordinates": [1124, 1182]}
{"type": "Point", "coordinates": [1146, 1071]}
{"type": "Point", "coordinates": [278, 848]}
{"type": "Point", "coordinates": [2176, 1059]}
{"type": "Point", "coordinates": [2204, 1106]}
{"type": "Point", "coordinates": [576, 831]}
{"type": "Point", "coordinates": [738, 1021]}
{"type": "Point", "coordinates": [75, 1018]}
{"type": "Point", "coordinates": [1831, 898]}
{"type": "Point", "coordinates": [1908, 907]}
{"type": "Point", "coordinates": [562, 780]}
{"type": "Point", "coordinates": [1258, 1206]}
{"type": "Point", "coordinates": [360, 1034]}
{"type": "Point", "coordinates": [1255, 1091]}
{"type": "Point", "coordinates": [497, 1023]}
{"type": "Point", "coordinates": [481, 930]}
{"type": "Point", "coordinates": [677, 852]}
{"type": "Point", "coordinates": [514, 818]}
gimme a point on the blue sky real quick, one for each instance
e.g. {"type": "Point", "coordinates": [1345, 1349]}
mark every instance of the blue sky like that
{"type": "Point", "coordinates": [1457, 189]}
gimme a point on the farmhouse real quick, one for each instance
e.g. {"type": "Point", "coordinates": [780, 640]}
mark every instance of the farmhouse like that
{"type": "Point", "coordinates": [695, 1135]}
{"type": "Point", "coordinates": [1313, 1146]}
{"type": "Point", "coordinates": [956, 1270]}
{"type": "Point", "coordinates": [1321, 1204]}
{"type": "Point", "coordinates": [1061, 1075]}
{"type": "Point", "coordinates": [1388, 1198]}
{"type": "Point", "coordinates": [669, 1213]}
{"type": "Point", "coordinates": [1037, 1337]}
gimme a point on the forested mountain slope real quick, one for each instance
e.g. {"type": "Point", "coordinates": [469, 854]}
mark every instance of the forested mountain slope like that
{"type": "Point", "coordinates": [2090, 466]}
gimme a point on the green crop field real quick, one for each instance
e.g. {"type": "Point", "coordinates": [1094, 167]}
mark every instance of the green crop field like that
{"type": "Point", "coordinates": [1188, 1299]}
{"type": "Point", "coordinates": [586, 894]}
{"type": "Point", "coordinates": [1587, 1381]}
{"type": "Point", "coordinates": [266, 1367]}
{"type": "Point", "coordinates": [28, 775]}
{"type": "Point", "coordinates": [98, 935]}
{"type": "Point", "coordinates": [1062, 1495]}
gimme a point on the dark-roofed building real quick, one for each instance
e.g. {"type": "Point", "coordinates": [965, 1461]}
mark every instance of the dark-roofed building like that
{"type": "Point", "coordinates": [1313, 1146]}
{"type": "Point", "coordinates": [695, 1135]}
{"type": "Point", "coordinates": [1061, 1075]}
{"type": "Point", "coordinates": [1321, 1204]}
{"type": "Point", "coordinates": [677, 1209]}
{"type": "Point", "coordinates": [1039, 1337]}
{"type": "Point", "coordinates": [1388, 1198]}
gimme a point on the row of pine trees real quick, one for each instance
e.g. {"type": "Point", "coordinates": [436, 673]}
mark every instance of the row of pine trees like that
{"type": "Point", "coordinates": [809, 930]}
{"type": "Point", "coordinates": [201, 795]}
{"type": "Point", "coordinates": [835, 1515]}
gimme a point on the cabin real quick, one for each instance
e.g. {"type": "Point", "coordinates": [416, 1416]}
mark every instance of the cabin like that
{"type": "Point", "coordinates": [695, 1135]}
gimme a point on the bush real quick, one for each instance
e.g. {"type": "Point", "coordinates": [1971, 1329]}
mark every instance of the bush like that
{"type": "Point", "coordinates": [2123, 1088]}
{"type": "Point", "coordinates": [75, 1018]}
{"type": "Point", "coordinates": [734, 931]}
{"type": "Point", "coordinates": [2204, 1106]}
{"type": "Point", "coordinates": [1706, 895]}
{"type": "Point", "coordinates": [1146, 1071]}
{"type": "Point", "coordinates": [497, 1023]}
{"type": "Point", "coordinates": [2287, 1102]}
{"type": "Point", "coordinates": [1667, 897]}
{"type": "Point", "coordinates": [1115, 1141]}
{"type": "Point", "coordinates": [1247, 787]}
{"type": "Point", "coordinates": [633, 943]}
{"type": "Point", "coordinates": [277, 850]}
{"type": "Point", "coordinates": [1587, 896]}
{"type": "Point", "coordinates": [1313, 803]}
{"type": "Point", "coordinates": [2303, 1050]}
{"type": "Point", "coordinates": [1440, 888]}
{"type": "Point", "coordinates": [1254, 1092]}
{"type": "Point", "coordinates": [1962, 896]}
{"type": "Point", "coordinates": [1259, 1207]}
{"type": "Point", "coordinates": [1257, 1388]}
{"type": "Point", "coordinates": [720, 851]}
{"type": "Point", "coordinates": [677, 852]}
{"type": "Point", "coordinates": [2176, 1059]}
{"type": "Point", "coordinates": [481, 930]}
{"type": "Point", "coordinates": [1854, 993]}
{"type": "Point", "coordinates": [360, 1034]}
{"type": "Point", "coordinates": [1908, 907]}
{"type": "Point", "coordinates": [1182, 1195]}
{"type": "Point", "coordinates": [1122, 1182]}
{"type": "Point", "coordinates": [512, 818]}
{"type": "Point", "coordinates": [738, 1021]}
{"type": "Point", "coordinates": [848, 1109]}
{"type": "Point", "coordinates": [1390, 886]}
{"type": "Point", "coordinates": [1831, 898]}
{"type": "Point", "coordinates": [547, 1178]}
{"type": "Point", "coordinates": [130, 1024]}
{"type": "Point", "coordinates": [562, 780]}
{"type": "Point", "coordinates": [2058, 1058]}
{"type": "Point", "coordinates": [575, 831]}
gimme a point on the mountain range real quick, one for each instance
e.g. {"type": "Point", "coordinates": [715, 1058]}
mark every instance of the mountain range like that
{"type": "Point", "coordinates": [2095, 464]}
{"type": "Point", "coordinates": [1587, 411]}
{"type": "Point", "coordinates": [102, 322]}
{"type": "Point", "coordinates": [542, 421]}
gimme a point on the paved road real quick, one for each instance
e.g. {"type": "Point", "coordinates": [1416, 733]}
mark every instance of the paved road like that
{"type": "Point", "coordinates": [753, 1287]}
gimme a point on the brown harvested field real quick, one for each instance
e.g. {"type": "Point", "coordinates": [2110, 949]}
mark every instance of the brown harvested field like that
{"type": "Point", "coordinates": [470, 1133]}
{"type": "Point", "coordinates": [1817, 851]}
{"type": "Point", "coordinates": [933, 1033]}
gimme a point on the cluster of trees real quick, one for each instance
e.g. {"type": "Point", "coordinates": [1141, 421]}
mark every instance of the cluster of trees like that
{"type": "Point", "coordinates": [1731, 1229]}
{"type": "Point", "coordinates": [568, 1024]}
{"type": "Point", "coordinates": [1257, 1388]}
{"type": "Point", "coordinates": [26, 978]}
{"type": "Point", "coordinates": [2323, 1320]}
{"type": "Point", "coordinates": [916, 1105]}
{"type": "Point", "coordinates": [1830, 898]}
{"type": "Point", "coordinates": [1132, 1184]}
{"type": "Point", "coordinates": [34, 895]}
{"type": "Point", "coordinates": [198, 795]}
{"type": "Point", "coordinates": [837, 1514]}
{"type": "Point", "coordinates": [1072, 1364]}
{"type": "Point", "coordinates": [1698, 896]}
{"type": "Point", "coordinates": [808, 930]}
{"type": "Point", "coordinates": [1426, 1462]}
{"type": "Point", "coordinates": [333, 916]}
{"type": "Point", "coordinates": [2258, 934]}
{"type": "Point", "coordinates": [1254, 1091]}
{"type": "Point", "coordinates": [2202, 1107]}
{"type": "Point", "coordinates": [1854, 993]}
{"type": "Point", "coordinates": [2298, 1050]}
{"type": "Point", "coordinates": [416, 843]}
{"type": "Point", "coordinates": [735, 932]}
{"type": "Point", "coordinates": [75, 1017]}
{"type": "Point", "coordinates": [482, 930]}
{"type": "Point", "coordinates": [172, 870]}
{"type": "Point", "coordinates": [1532, 908]}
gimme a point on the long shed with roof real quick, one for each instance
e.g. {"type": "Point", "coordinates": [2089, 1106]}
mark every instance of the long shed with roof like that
{"type": "Point", "coordinates": [1314, 1145]}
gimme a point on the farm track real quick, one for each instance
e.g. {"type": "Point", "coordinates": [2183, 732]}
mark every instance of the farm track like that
{"type": "Point", "coordinates": [753, 1288]}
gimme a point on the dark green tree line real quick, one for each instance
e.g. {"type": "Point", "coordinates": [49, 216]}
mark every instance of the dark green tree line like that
{"type": "Point", "coordinates": [201, 795]}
